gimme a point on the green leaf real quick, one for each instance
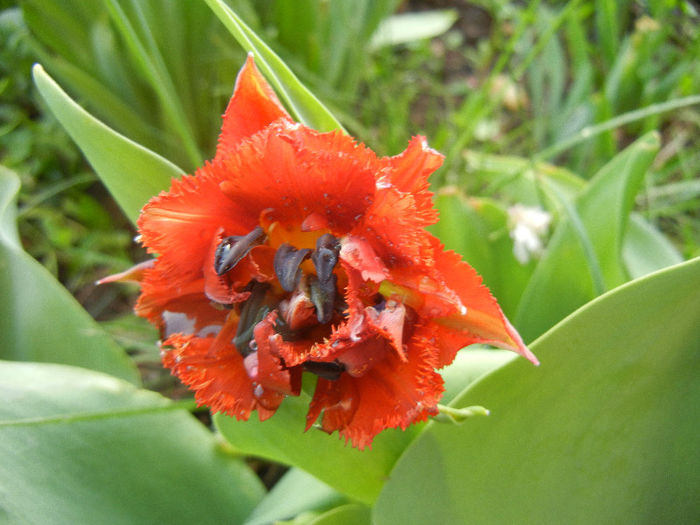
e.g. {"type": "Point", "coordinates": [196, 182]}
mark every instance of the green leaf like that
{"type": "Point", "coordinates": [605, 431]}
{"type": "Point", "coordinates": [83, 447]}
{"type": "Point", "coordinates": [296, 492]}
{"type": "Point", "coordinates": [575, 262]}
{"type": "Point", "coordinates": [301, 102]}
{"type": "Point", "coordinates": [359, 474]}
{"type": "Point", "coordinates": [469, 365]}
{"type": "Point", "coordinates": [39, 319]}
{"type": "Point", "coordinates": [132, 173]}
{"type": "Point", "coordinates": [409, 27]}
{"type": "Point", "coordinates": [351, 514]}
{"type": "Point", "coordinates": [647, 250]}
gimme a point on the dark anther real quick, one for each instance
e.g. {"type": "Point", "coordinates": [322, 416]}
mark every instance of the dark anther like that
{"type": "Point", "coordinates": [325, 257]}
{"type": "Point", "coordinates": [232, 249]}
{"type": "Point", "coordinates": [379, 303]}
{"type": "Point", "coordinates": [287, 261]}
{"type": "Point", "coordinates": [253, 310]}
{"type": "Point", "coordinates": [330, 371]}
{"type": "Point", "coordinates": [323, 297]}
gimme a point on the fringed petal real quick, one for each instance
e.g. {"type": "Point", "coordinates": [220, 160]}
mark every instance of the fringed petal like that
{"type": "Point", "coordinates": [278, 172]}
{"type": "Point", "coordinates": [179, 225]}
{"type": "Point", "coordinates": [393, 393]}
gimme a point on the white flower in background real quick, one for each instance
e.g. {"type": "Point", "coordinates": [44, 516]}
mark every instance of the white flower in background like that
{"type": "Point", "coordinates": [528, 226]}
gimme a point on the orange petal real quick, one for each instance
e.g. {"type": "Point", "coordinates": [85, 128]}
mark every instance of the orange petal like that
{"type": "Point", "coordinates": [271, 374]}
{"type": "Point", "coordinates": [410, 169]}
{"type": "Point", "coordinates": [483, 318]}
{"type": "Point", "coordinates": [393, 393]}
{"type": "Point", "coordinates": [252, 107]}
{"type": "Point", "coordinates": [359, 255]}
{"type": "Point", "coordinates": [179, 225]}
{"type": "Point", "coordinates": [133, 274]}
{"type": "Point", "coordinates": [219, 380]}
{"type": "Point", "coordinates": [292, 172]}
{"type": "Point", "coordinates": [177, 307]}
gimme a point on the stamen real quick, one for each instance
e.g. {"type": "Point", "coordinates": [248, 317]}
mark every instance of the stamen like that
{"type": "Point", "coordinates": [325, 257]}
{"type": "Point", "coordinates": [330, 371]}
{"type": "Point", "coordinates": [253, 310]}
{"type": "Point", "coordinates": [232, 249]}
{"type": "Point", "coordinates": [286, 263]}
{"type": "Point", "coordinates": [323, 297]}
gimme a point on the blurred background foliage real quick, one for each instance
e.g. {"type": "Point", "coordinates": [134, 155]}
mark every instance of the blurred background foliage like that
{"type": "Point", "coordinates": [528, 100]}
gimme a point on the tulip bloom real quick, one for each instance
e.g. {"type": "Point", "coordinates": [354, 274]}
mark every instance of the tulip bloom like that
{"type": "Point", "coordinates": [297, 251]}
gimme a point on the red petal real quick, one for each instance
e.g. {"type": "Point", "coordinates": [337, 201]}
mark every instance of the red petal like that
{"type": "Point", "coordinates": [291, 172]}
{"type": "Point", "coordinates": [252, 107]}
{"type": "Point", "coordinates": [410, 170]}
{"type": "Point", "coordinates": [393, 393]}
{"type": "Point", "coordinates": [359, 255]}
{"type": "Point", "coordinates": [179, 225]}
{"type": "Point", "coordinates": [483, 319]}
{"type": "Point", "coordinates": [402, 206]}
{"type": "Point", "coordinates": [218, 378]}
{"type": "Point", "coordinates": [164, 304]}
{"type": "Point", "coordinates": [271, 374]}
{"type": "Point", "coordinates": [133, 274]}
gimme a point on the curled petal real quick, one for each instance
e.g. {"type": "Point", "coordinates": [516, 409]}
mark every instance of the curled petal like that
{"type": "Point", "coordinates": [279, 171]}
{"type": "Point", "coordinates": [483, 319]}
{"type": "Point", "coordinates": [134, 274]}
{"type": "Point", "coordinates": [179, 225]}
{"type": "Point", "coordinates": [177, 307]}
{"type": "Point", "coordinates": [218, 378]}
{"type": "Point", "coordinates": [359, 255]}
{"type": "Point", "coordinates": [272, 375]}
{"type": "Point", "coordinates": [393, 393]}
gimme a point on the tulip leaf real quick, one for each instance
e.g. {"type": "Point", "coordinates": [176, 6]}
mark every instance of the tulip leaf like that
{"type": "Point", "coordinates": [296, 492]}
{"type": "Point", "coordinates": [585, 251]}
{"type": "Point", "coordinates": [39, 319]}
{"type": "Point", "coordinates": [646, 249]}
{"type": "Point", "coordinates": [132, 173]}
{"type": "Point", "coordinates": [302, 104]}
{"type": "Point", "coordinates": [359, 474]}
{"type": "Point", "coordinates": [350, 514]}
{"type": "Point", "coordinates": [604, 431]}
{"type": "Point", "coordinates": [83, 447]}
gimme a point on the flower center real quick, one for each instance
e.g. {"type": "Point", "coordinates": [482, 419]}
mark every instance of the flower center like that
{"type": "Point", "coordinates": [306, 300]}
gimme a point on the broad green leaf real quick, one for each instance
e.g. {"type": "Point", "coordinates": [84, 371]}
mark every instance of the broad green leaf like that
{"type": "Point", "coordinates": [646, 249]}
{"type": "Point", "coordinates": [132, 173]}
{"type": "Point", "coordinates": [350, 514]}
{"type": "Point", "coordinates": [358, 474]}
{"type": "Point", "coordinates": [83, 447]}
{"type": "Point", "coordinates": [409, 27]}
{"type": "Point", "coordinates": [39, 319]}
{"type": "Point", "coordinates": [469, 365]}
{"type": "Point", "coordinates": [300, 101]}
{"type": "Point", "coordinates": [566, 276]}
{"type": "Point", "coordinates": [295, 493]}
{"type": "Point", "coordinates": [604, 431]}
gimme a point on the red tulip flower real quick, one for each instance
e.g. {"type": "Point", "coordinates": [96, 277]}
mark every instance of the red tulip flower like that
{"type": "Point", "coordinates": [297, 251]}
